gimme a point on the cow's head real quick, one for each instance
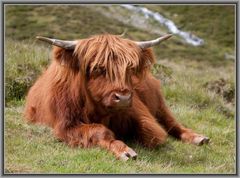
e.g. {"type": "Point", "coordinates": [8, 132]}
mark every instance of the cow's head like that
{"type": "Point", "coordinates": [110, 66]}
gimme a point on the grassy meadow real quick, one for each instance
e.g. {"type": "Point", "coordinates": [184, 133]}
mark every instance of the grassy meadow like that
{"type": "Point", "coordinates": [198, 83]}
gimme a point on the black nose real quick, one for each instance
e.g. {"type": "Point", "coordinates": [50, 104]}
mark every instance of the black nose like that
{"type": "Point", "coordinates": [122, 100]}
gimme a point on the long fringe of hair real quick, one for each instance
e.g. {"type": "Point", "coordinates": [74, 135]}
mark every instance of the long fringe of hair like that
{"type": "Point", "coordinates": [116, 55]}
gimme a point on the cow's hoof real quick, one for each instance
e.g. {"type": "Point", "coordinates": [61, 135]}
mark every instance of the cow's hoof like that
{"type": "Point", "coordinates": [200, 140]}
{"type": "Point", "coordinates": [129, 153]}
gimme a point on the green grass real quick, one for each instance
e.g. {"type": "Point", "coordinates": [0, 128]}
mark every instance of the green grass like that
{"type": "Point", "coordinates": [23, 64]}
{"type": "Point", "coordinates": [198, 84]}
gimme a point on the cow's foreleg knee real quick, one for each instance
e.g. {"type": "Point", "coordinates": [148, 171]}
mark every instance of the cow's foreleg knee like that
{"type": "Point", "coordinates": [149, 131]}
{"type": "Point", "coordinates": [89, 135]}
{"type": "Point", "coordinates": [151, 134]}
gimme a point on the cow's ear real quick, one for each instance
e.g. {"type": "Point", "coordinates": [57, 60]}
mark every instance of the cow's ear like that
{"type": "Point", "coordinates": [147, 57]}
{"type": "Point", "coordinates": [65, 57]}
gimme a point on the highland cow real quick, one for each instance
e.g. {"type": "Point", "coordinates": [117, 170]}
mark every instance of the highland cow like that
{"type": "Point", "coordinates": [100, 91]}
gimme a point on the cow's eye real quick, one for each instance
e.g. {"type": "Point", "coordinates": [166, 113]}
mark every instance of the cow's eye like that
{"type": "Point", "coordinates": [134, 71]}
{"type": "Point", "coordinates": [98, 71]}
{"type": "Point", "coordinates": [131, 71]}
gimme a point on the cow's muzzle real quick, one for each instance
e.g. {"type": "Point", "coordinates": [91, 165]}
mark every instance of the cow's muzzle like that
{"type": "Point", "coordinates": [122, 100]}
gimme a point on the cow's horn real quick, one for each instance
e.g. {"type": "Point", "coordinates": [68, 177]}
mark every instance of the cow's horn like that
{"type": "Point", "coordinates": [59, 43]}
{"type": "Point", "coordinates": [148, 44]}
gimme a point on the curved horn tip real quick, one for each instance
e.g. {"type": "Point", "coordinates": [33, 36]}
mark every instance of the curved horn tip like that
{"type": "Point", "coordinates": [39, 37]}
{"type": "Point", "coordinates": [167, 36]}
{"type": "Point", "coordinates": [148, 44]}
{"type": "Point", "coordinates": [42, 38]}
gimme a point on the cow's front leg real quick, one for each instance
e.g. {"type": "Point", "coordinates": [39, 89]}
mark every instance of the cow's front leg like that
{"type": "Point", "coordinates": [177, 130]}
{"type": "Point", "coordinates": [149, 132]}
{"type": "Point", "coordinates": [88, 135]}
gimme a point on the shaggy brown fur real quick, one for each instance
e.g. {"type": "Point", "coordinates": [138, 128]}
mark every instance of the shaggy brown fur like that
{"type": "Point", "coordinates": [73, 97]}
